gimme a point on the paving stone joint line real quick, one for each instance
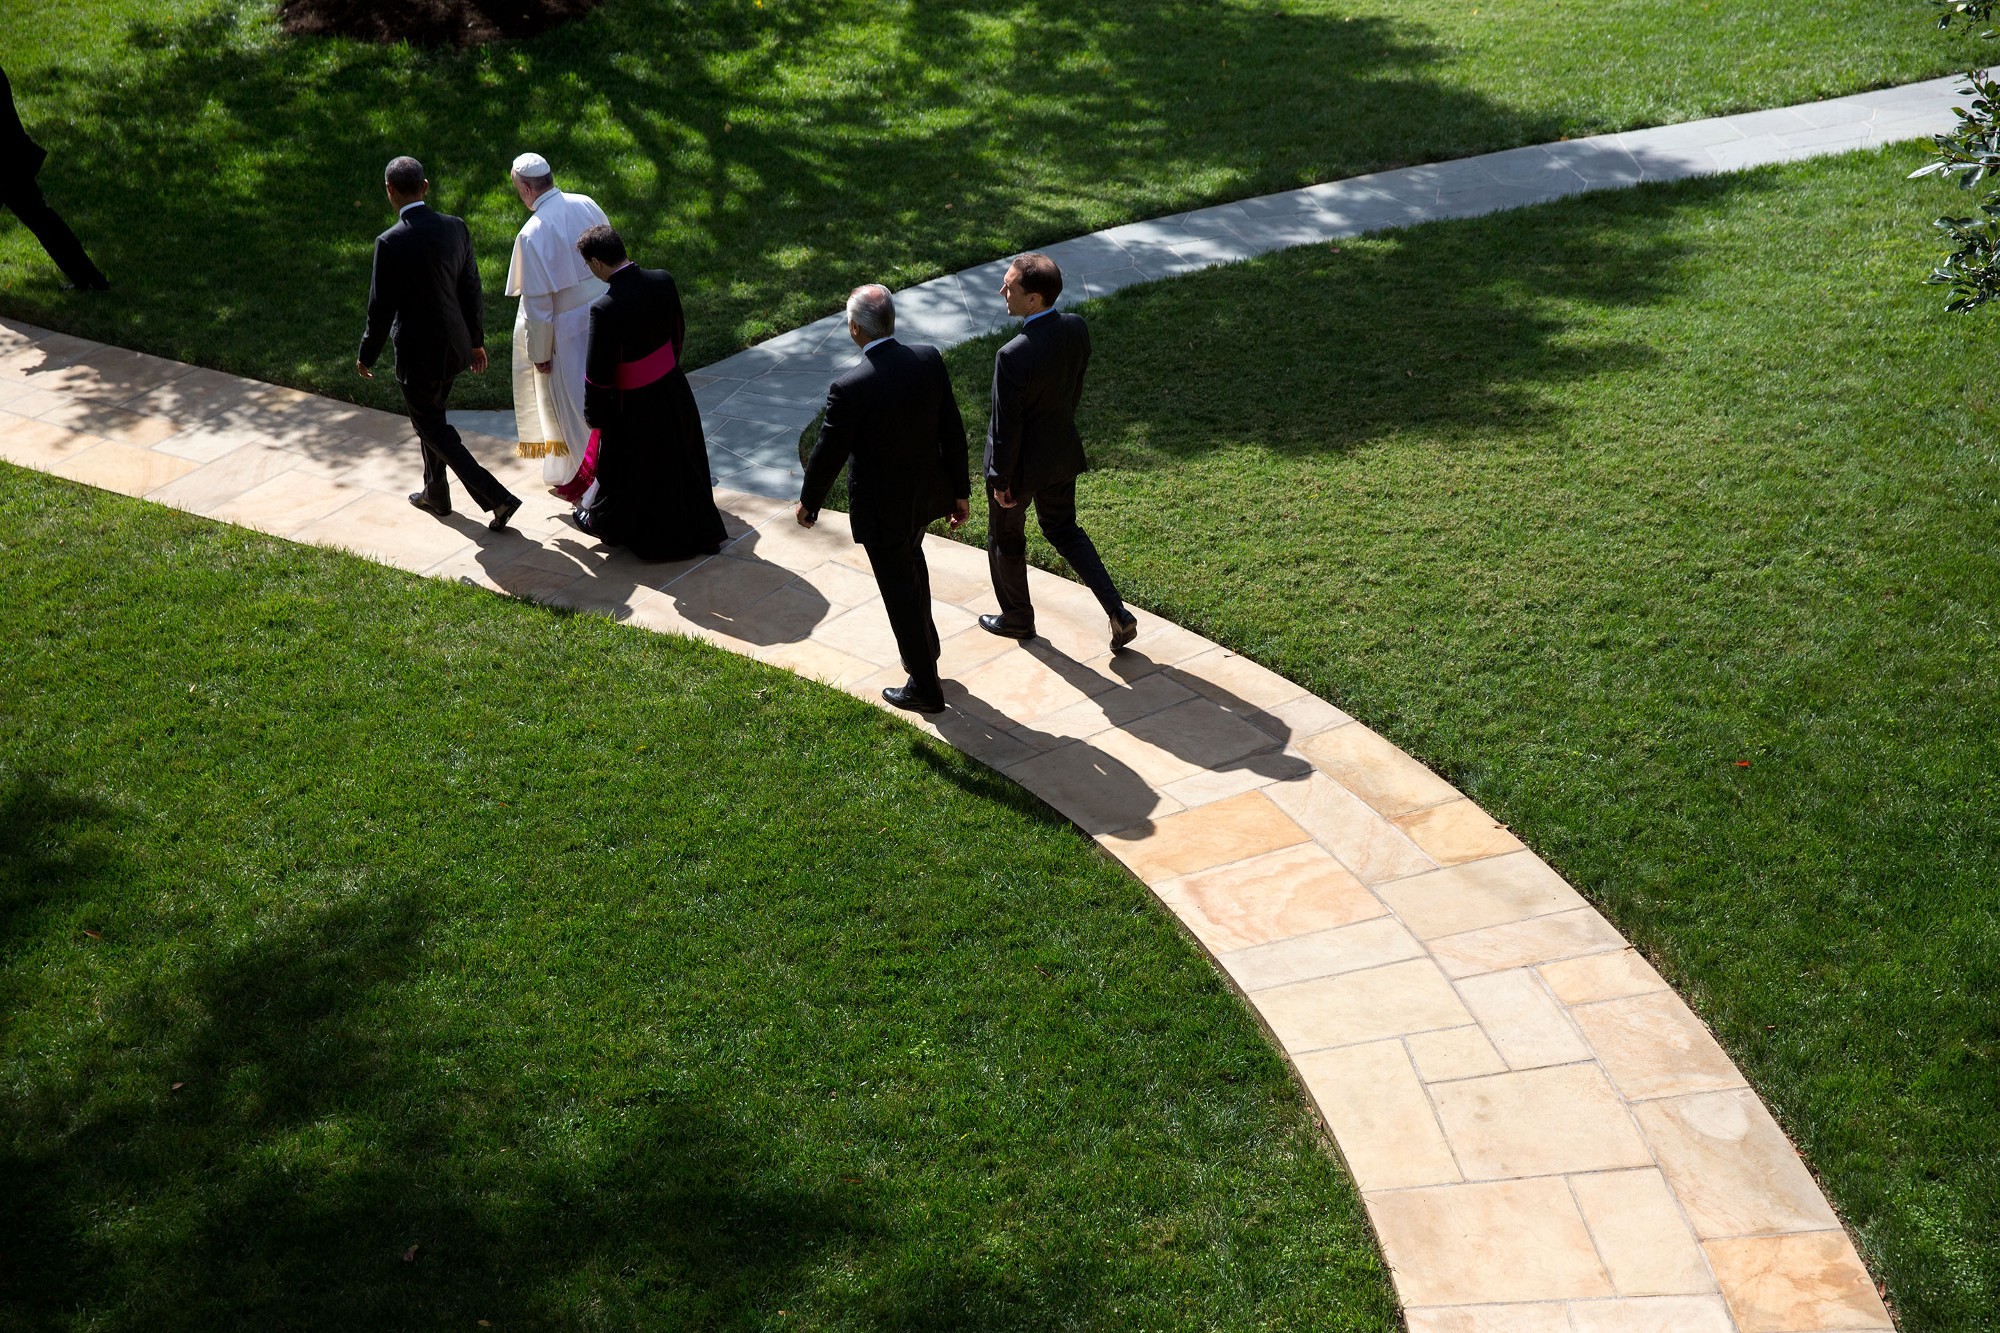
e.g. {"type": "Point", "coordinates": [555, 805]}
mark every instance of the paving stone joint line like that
{"type": "Point", "coordinates": [1544, 1135]}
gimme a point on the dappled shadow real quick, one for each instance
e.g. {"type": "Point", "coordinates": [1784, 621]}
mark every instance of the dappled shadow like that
{"type": "Point", "coordinates": [233, 181]}
{"type": "Point", "coordinates": [56, 846]}
{"type": "Point", "coordinates": [280, 1157]}
{"type": "Point", "coordinates": [1471, 330]}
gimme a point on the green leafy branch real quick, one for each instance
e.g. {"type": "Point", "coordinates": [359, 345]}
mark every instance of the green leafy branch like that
{"type": "Point", "coordinates": [1969, 154]}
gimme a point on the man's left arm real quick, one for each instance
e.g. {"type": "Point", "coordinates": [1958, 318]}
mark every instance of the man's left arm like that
{"type": "Point", "coordinates": [951, 446]}
{"type": "Point", "coordinates": [381, 308]}
{"type": "Point", "coordinates": [829, 455]}
{"type": "Point", "coordinates": [469, 301]}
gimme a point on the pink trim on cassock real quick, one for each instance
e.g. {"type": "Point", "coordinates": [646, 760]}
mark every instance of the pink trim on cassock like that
{"type": "Point", "coordinates": [656, 365]}
{"type": "Point", "coordinates": [573, 489]}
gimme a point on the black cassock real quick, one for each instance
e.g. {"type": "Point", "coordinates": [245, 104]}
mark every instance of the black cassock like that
{"type": "Point", "coordinates": [653, 494]}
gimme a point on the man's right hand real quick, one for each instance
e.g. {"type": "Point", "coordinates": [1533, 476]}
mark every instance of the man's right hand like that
{"type": "Point", "coordinates": [1004, 497]}
{"type": "Point", "coordinates": [361, 369]}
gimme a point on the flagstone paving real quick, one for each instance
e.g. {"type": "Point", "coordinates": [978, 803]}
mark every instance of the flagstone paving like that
{"type": "Point", "coordinates": [1545, 1136]}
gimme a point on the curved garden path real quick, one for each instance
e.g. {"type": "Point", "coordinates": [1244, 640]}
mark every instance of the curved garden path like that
{"type": "Point", "coordinates": [1545, 1136]}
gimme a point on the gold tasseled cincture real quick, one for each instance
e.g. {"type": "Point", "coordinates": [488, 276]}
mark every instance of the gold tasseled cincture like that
{"type": "Point", "coordinates": [541, 449]}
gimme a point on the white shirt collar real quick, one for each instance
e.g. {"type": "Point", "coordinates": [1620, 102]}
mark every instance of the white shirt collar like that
{"type": "Point", "coordinates": [866, 348]}
{"type": "Point", "coordinates": [414, 203]}
{"type": "Point", "coordinates": [1037, 315]}
{"type": "Point", "coordinates": [535, 204]}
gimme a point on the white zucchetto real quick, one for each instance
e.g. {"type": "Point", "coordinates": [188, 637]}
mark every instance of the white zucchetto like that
{"type": "Point", "coordinates": [531, 165]}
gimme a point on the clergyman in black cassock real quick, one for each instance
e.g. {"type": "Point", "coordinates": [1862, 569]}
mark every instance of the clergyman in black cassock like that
{"type": "Point", "coordinates": [895, 416]}
{"type": "Point", "coordinates": [1034, 453]}
{"type": "Point", "coordinates": [21, 159]}
{"type": "Point", "coordinates": [424, 294]}
{"type": "Point", "coordinates": [653, 495]}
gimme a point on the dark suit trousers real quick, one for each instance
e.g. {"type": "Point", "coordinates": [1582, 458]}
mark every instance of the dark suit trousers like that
{"type": "Point", "coordinates": [1007, 552]}
{"type": "Point", "coordinates": [905, 582]}
{"type": "Point", "coordinates": [443, 448]}
{"type": "Point", "coordinates": [25, 198]}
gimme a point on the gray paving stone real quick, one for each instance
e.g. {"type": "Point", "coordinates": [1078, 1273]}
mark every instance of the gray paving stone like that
{"type": "Point", "coordinates": [1691, 134]}
{"type": "Point", "coordinates": [1221, 220]}
{"type": "Point", "coordinates": [711, 396]}
{"type": "Point", "coordinates": [1672, 164]}
{"type": "Point", "coordinates": [1107, 281]}
{"type": "Point", "coordinates": [1086, 254]}
{"type": "Point", "coordinates": [497, 422]}
{"type": "Point", "coordinates": [778, 483]}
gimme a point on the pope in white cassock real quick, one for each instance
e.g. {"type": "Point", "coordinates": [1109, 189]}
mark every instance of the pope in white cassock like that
{"type": "Point", "coordinates": [552, 326]}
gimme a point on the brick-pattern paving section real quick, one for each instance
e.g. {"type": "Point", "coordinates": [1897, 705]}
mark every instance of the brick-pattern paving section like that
{"type": "Point", "coordinates": [1547, 1139]}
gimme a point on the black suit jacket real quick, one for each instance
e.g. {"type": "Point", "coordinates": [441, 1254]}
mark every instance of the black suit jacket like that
{"type": "Point", "coordinates": [1031, 438]}
{"type": "Point", "coordinates": [19, 155]}
{"type": "Point", "coordinates": [895, 416]}
{"type": "Point", "coordinates": [425, 294]}
{"type": "Point", "coordinates": [637, 316]}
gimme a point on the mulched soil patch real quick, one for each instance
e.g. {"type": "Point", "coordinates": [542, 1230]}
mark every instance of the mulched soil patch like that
{"type": "Point", "coordinates": [429, 22]}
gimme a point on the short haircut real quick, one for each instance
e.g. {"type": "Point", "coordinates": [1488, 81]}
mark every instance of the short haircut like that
{"type": "Point", "coordinates": [540, 183]}
{"type": "Point", "coordinates": [872, 310]}
{"type": "Point", "coordinates": [404, 175]}
{"type": "Point", "coordinates": [1035, 272]}
{"type": "Point", "coordinates": [602, 244]}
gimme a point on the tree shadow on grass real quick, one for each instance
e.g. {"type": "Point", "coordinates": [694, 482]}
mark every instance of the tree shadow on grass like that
{"type": "Point", "coordinates": [230, 182]}
{"type": "Point", "coordinates": [269, 1137]}
{"type": "Point", "coordinates": [1468, 329]}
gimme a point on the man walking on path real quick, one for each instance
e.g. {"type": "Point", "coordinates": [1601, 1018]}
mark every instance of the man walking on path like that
{"type": "Point", "coordinates": [895, 415]}
{"type": "Point", "coordinates": [1033, 452]}
{"type": "Point", "coordinates": [424, 293]}
{"type": "Point", "coordinates": [20, 159]}
{"type": "Point", "coordinates": [552, 326]}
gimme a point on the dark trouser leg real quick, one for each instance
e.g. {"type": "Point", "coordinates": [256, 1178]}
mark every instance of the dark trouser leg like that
{"type": "Point", "coordinates": [1055, 509]}
{"type": "Point", "coordinates": [1007, 561]}
{"type": "Point", "coordinates": [905, 582]}
{"type": "Point", "coordinates": [25, 198]}
{"type": "Point", "coordinates": [443, 448]}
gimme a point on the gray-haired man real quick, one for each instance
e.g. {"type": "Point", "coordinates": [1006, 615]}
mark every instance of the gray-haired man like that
{"type": "Point", "coordinates": [895, 416]}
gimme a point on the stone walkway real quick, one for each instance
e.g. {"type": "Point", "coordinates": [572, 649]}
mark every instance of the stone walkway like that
{"type": "Point", "coordinates": [1546, 1138]}
{"type": "Point", "coordinates": [755, 404]}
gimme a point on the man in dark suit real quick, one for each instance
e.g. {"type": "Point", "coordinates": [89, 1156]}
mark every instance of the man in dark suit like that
{"type": "Point", "coordinates": [20, 159]}
{"type": "Point", "coordinates": [895, 416]}
{"type": "Point", "coordinates": [1033, 452]}
{"type": "Point", "coordinates": [424, 293]}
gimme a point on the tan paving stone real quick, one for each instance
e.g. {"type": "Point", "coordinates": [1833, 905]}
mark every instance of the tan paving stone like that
{"type": "Point", "coordinates": [1653, 1045]}
{"type": "Point", "coordinates": [122, 468]}
{"type": "Point", "coordinates": [1376, 771]}
{"type": "Point", "coordinates": [1161, 643]}
{"type": "Point", "coordinates": [387, 528]}
{"type": "Point", "coordinates": [1297, 720]}
{"type": "Point", "coordinates": [1019, 687]}
{"type": "Point", "coordinates": [1216, 785]}
{"type": "Point", "coordinates": [1796, 1284]}
{"type": "Point", "coordinates": [753, 509]}
{"type": "Point", "coordinates": [1472, 1244]}
{"type": "Point", "coordinates": [196, 395]}
{"type": "Point", "coordinates": [961, 652]}
{"type": "Point", "coordinates": [40, 444]}
{"type": "Point", "coordinates": [1325, 954]}
{"type": "Point", "coordinates": [862, 632]}
{"type": "Point", "coordinates": [1457, 831]}
{"type": "Point", "coordinates": [1370, 1098]}
{"type": "Point", "coordinates": [111, 375]}
{"type": "Point", "coordinates": [1454, 1053]}
{"type": "Point", "coordinates": [1604, 976]}
{"type": "Point", "coordinates": [1537, 1122]}
{"type": "Point", "coordinates": [1641, 1234]}
{"type": "Point", "coordinates": [1479, 894]}
{"type": "Point", "coordinates": [23, 401]}
{"type": "Point", "coordinates": [818, 662]}
{"type": "Point", "coordinates": [1363, 840]}
{"type": "Point", "coordinates": [1232, 830]}
{"type": "Point", "coordinates": [1125, 702]}
{"type": "Point", "coordinates": [716, 594]}
{"type": "Point", "coordinates": [1652, 1314]}
{"type": "Point", "coordinates": [1200, 733]}
{"type": "Point", "coordinates": [1525, 943]}
{"type": "Point", "coordinates": [287, 503]}
{"type": "Point", "coordinates": [1154, 765]}
{"type": "Point", "coordinates": [1299, 890]}
{"type": "Point", "coordinates": [205, 442]}
{"type": "Point", "coordinates": [840, 585]}
{"type": "Point", "coordinates": [1536, 1318]}
{"type": "Point", "coordinates": [790, 614]}
{"type": "Point", "coordinates": [1733, 1169]}
{"type": "Point", "coordinates": [1236, 680]}
{"type": "Point", "coordinates": [1524, 1022]}
{"type": "Point", "coordinates": [1097, 792]}
{"type": "Point", "coordinates": [993, 746]}
{"type": "Point", "coordinates": [1354, 1007]}
{"type": "Point", "coordinates": [656, 612]}
{"type": "Point", "coordinates": [205, 487]}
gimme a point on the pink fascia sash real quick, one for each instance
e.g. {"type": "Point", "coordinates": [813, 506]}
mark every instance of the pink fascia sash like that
{"type": "Point", "coordinates": [654, 366]}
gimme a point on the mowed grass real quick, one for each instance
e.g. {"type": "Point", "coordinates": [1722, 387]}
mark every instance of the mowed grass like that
{"type": "Point", "coordinates": [775, 154]}
{"type": "Point", "coordinates": [377, 953]}
{"type": "Point", "coordinates": [1664, 524]}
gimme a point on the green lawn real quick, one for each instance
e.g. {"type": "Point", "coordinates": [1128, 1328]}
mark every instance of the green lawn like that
{"type": "Point", "coordinates": [1664, 524]}
{"type": "Point", "coordinates": [377, 953]}
{"type": "Point", "coordinates": [776, 153]}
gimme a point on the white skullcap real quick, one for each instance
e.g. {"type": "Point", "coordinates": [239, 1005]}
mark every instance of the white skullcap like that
{"type": "Point", "coordinates": [531, 165]}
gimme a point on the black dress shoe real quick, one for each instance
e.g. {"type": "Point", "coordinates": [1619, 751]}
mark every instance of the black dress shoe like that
{"type": "Point", "coordinates": [498, 523]}
{"type": "Point", "coordinates": [1124, 633]}
{"type": "Point", "coordinates": [422, 501]}
{"type": "Point", "coordinates": [904, 697]}
{"type": "Point", "coordinates": [997, 625]}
